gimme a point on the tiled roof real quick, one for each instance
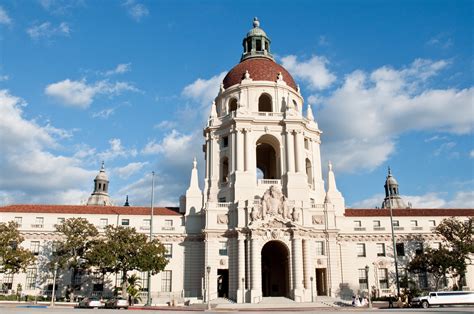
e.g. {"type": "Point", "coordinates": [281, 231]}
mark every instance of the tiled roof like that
{"type": "Point", "coordinates": [86, 209]}
{"type": "Point", "coordinates": [359, 212]}
{"type": "Point", "coordinates": [260, 69]}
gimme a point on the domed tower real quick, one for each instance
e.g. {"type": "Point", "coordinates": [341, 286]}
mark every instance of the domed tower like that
{"type": "Point", "coordinates": [263, 201]}
{"type": "Point", "coordinates": [100, 196]}
{"type": "Point", "coordinates": [392, 193]}
{"type": "Point", "coordinates": [257, 134]}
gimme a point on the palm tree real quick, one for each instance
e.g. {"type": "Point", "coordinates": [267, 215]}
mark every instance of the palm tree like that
{"type": "Point", "coordinates": [133, 289]}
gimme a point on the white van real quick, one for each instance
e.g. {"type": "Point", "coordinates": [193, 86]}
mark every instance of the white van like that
{"type": "Point", "coordinates": [444, 298]}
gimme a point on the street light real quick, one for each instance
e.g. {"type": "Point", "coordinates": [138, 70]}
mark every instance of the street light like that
{"type": "Point", "coordinates": [148, 299]}
{"type": "Point", "coordinates": [312, 293]}
{"type": "Point", "coordinates": [368, 285]}
{"type": "Point", "coordinates": [53, 293]}
{"type": "Point", "coordinates": [208, 269]}
{"type": "Point", "coordinates": [395, 258]}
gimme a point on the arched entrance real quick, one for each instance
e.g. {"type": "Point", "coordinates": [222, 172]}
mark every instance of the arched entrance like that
{"type": "Point", "coordinates": [275, 270]}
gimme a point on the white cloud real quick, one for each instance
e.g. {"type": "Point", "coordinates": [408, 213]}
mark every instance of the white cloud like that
{"type": "Point", "coordinates": [81, 94]}
{"type": "Point", "coordinates": [176, 147]}
{"type": "Point", "coordinates": [104, 114]}
{"type": "Point", "coordinates": [119, 69]}
{"type": "Point", "coordinates": [47, 30]}
{"type": "Point", "coordinates": [165, 124]}
{"type": "Point", "coordinates": [31, 173]}
{"type": "Point", "coordinates": [204, 91]}
{"type": "Point", "coordinates": [115, 150]}
{"type": "Point", "coordinates": [4, 18]}
{"type": "Point", "coordinates": [471, 154]}
{"type": "Point", "coordinates": [364, 116]}
{"type": "Point", "coordinates": [313, 71]}
{"type": "Point", "coordinates": [462, 199]}
{"type": "Point", "coordinates": [60, 7]}
{"type": "Point", "coordinates": [445, 148]}
{"type": "Point", "coordinates": [4, 78]}
{"type": "Point", "coordinates": [442, 40]}
{"type": "Point", "coordinates": [136, 10]}
{"type": "Point", "coordinates": [128, 170]}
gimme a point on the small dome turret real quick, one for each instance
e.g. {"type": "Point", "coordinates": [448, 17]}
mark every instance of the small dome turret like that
{"type": "Point", "coordinates": [256, 43]}
{"type": "Point", "coordinates": [100, 196]}
{"type": "Point", "coordinates": [392, 193]}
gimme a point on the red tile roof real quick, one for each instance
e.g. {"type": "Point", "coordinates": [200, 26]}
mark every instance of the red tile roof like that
{"type": "Point", "coordinates": [85, 209]}
{"type": "Point", "coordinates": [449, 212]}
{"type": "Point", "coordinates": [260, 69]}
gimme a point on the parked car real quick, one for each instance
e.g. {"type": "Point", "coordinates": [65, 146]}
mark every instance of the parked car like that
{"type": "Point", "coordinates": [91, 303]}
{"type": "Point", "coordinates": [117, 303]}
{"type": "Point", "coordinates": [444, 298]}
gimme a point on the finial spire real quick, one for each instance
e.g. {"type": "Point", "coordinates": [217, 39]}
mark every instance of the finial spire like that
{"type": "Point", "coordinates": [389, 171]}
{"type": "Point", "coordinates": [256, 22]}
{"type": "Point", "coordinates": [330, 166]}
{"type": "Point", "coordinates": [126, 202]}
{"type": "Point", "coordinates": [102, 167]}
{"type": "Point", "coordinates": [309, 113]}
{"type": "Point", "coordinates": [194, 163]}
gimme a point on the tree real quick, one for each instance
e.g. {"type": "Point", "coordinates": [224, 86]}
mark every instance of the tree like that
{"type": "Point", "coordinates": [459, 237]}
{"type": "Point", "coordinates": [13, 258]}
{"type": "Point", "coordinates": [78, 237]}
{"type": "Point", "coordinates": [133, 289]}
{"type": "Point", "coordinates": [436, 262]}
{"type": "Point", "coordinates": [123, 250]}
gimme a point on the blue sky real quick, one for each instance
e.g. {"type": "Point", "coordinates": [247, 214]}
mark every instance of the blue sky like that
{"type": "Point", "coordinates": [131, 83]}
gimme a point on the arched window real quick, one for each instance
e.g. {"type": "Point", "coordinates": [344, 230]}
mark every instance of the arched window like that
{"type": "Point", "coordinates": [309, 172]}
{"type": "Point", "coordinates": [268, 158]}
{"type": "Point", "coordinates": [232, 105]}
{"type": "Point", "coordinates": [265, 103]}
{"type": "Point", "coordinates": [225, 170]}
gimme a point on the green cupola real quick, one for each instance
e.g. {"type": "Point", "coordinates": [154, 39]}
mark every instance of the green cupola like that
{"type": "Point", "coordinates": [256, 43]}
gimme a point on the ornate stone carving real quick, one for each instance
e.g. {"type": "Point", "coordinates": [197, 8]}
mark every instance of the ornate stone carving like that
{"type": "Point", "coordinates": [318, 219]}
{"type": "Point", "coordinates": [222, 219]}
{"type": "Point", "coordinates": [295, 215]}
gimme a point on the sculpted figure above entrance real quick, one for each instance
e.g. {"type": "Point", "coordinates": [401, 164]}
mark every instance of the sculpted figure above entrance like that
{"type": "Point", "coordinates": [273, 204]}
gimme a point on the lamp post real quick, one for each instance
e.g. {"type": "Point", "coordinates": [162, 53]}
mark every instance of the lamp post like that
{"type": "Point", "coordinates": [243, 290]}
{"type": "Point", "coordinates": [312, 293]}
{"type": "Point", "coordinates": [208, 269]}
{"type": "Point", "coordinates": [148, 298]}
{"type": "Point", "coordinates": [368, 285]}
{"type": "Point", "coordinates": [53, 293]}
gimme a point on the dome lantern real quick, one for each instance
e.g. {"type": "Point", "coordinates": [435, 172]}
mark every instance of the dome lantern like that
{"type": "Point", "coordinates": [256, 43]}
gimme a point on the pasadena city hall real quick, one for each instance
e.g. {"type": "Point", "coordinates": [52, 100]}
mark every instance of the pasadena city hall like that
{"type": "Point", "coordinates": [266, 224]}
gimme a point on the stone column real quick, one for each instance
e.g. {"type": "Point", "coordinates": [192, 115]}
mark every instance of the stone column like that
{"type": "Point", "coordinates": [299, 154]}
{"type": "Point", "coordinates": [290, 158]}
{"type": "Point", "coordinates": [308, 265]}
{"type": "Point", "coordinates": [256, 270]}
{"type": "Point", "coordinates": [231, 149]}
{"type": "Point", "coordinates": [297, 269]}
{"type": "Point", "coordinates": [240, 150]}
{"type": "Point", "coordinates": [241, 269]}
{"type": "Point", "coordinates": [248, 150]}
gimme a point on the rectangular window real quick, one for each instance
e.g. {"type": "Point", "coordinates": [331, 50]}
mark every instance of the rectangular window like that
{"type": "Point", "coordinates": [418, 248]}
{"type": "Point", "coordinates": [223, 248]}
{"type": "Point", "coordinates": [319, 248]}
{"type": "Point", "coordinates": [144, 281]}
{"type": "Point", "coordinates": [306, 144]}
{"type": "Point", "coordinates": [168, 250]}
{"type": "Point", "coordinates": [31, 278]}
{"type": "Point", "coordinates": [357, 223]}
{"type": "Point", "coordinates": [400, 249]}
{"type": "Point", "coordinates": [146, 223]}
{"type": "Point", "coordinates": [35, 247]}
{"type": "Point", "coordinates": [7, 283]}
{"type": "Point", "coordinates": [432, 223]}
{"type": "Point", "coordinates": [403, 277]}
{"type": "Point", "coordinates": [54, 246]}
{"type": "Point", "coordinates": [225, 141]}
{"type": "Point", "coordinates": [423, 280]}
{"type": "Point", "coordinates": [396, 223]}
{"type": "Point", "coordinates": [376, 223]}
{"type": "Point", "coordinates": [380, 249]}
{"type": "Point", "coordinates": [18, 220]}
{"type": "Point", "coordinates": [125, 222]}
{"type": "Point", "coordinates": [360, 249]}
{"type": "Point", "coordinates": [362, 279]}
{"type": "Point", "coordinates": [60, 221]}
{"type": "Point", "coordinates": [39, 221]}
{"type": "Point", "coordinates": [103, 222]}
{"type": "Point", "coordinates": [383, 278]}
{"type": "Point", "coordinates": [168, 224]}
{"type": "Point", "coordinates": [414, 223]}
{"type": "Point", "coordinates": [166, 281]}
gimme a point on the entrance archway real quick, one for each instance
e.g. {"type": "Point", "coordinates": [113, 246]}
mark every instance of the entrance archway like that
{"type": "Point", "coordinates": [275, 270]}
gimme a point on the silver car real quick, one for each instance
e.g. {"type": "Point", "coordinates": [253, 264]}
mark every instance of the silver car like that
{"type": "Point", "coordinates": [117, 303]}
{"type": "Point", "coordinates": [91, 303]}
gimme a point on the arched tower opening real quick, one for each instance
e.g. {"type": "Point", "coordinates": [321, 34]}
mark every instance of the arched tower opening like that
{"type": "Point", "coordinates": [309, 172]}
{"type": "Point", "coordinates": [232, 105]}
{"type": "Point", "coordinates": [225, 170]}
{"type": "Point", "coordinates": [265, 103]}
{"type": "Point", "coordinates": [268, 157]}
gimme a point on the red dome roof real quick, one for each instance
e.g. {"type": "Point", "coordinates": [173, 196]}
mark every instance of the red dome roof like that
{"type": "Point", "coordinates": [260, 69]}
